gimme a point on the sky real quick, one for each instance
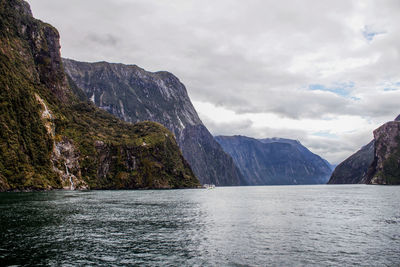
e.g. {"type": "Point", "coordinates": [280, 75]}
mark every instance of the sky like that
{"type": "Point", "coordinates": [326, 73]}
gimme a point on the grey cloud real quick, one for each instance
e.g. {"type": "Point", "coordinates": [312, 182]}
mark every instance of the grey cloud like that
{"type": "Point", "coordinates": [104, 40]}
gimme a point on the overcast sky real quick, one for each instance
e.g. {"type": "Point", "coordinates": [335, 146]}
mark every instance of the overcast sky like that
{"type": "Point", "coordinates": [324, 72]}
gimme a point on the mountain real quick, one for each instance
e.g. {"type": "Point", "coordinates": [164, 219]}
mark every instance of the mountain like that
{"type": "Point", "coordinates": [385, 169]}
{"type": "Point", "coordinates": [51, 138]}
{"type": "Point", "coordinates": [275, 161]}
{"type": "Point", "coordinates": [354, 168]}
{"type": "Point", "coordinates": [376, 163]}
{"type": "Point", "coordinates": [135, 95]}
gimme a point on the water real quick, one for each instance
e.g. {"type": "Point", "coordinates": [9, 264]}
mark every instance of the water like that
{"type": "Point", "coordinates": [243, 226]}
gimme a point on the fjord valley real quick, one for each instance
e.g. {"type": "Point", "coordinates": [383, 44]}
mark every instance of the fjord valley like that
{"type": "Point", "coordinates": [76, 125]}
{"type": "Point", "coordinates": [134, 95]}
{"type": "Point", "coordinates": [52, 138]}
{"type": "Point", "coordinates": [92, 153]}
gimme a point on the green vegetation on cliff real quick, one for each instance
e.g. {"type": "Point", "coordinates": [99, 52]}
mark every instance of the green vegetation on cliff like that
{"type": "Point", "coordinates": [51, 138]}
{"type": "Point", "coordinates": [389, 172]}
{"type": "Point", "coordinates": [376, 163]}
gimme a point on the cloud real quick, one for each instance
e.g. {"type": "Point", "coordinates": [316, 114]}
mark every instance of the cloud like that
{"type": "Point", "coordinates": [290, 67]}
{"type": "Point", "coordinates": [104, 40]}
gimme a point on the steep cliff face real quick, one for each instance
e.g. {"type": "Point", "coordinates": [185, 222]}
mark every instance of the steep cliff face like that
{"type": "Point", "coordinates": [135, 95]}
{"type": "Point", "coordinates": [275, 161]}
{"type": "Point", "coordinates": [385, 169]}
{"type": "Point", "coordinates": [376, 163]}
{"type": "Point", "coordinates": [50, 139]}
{"type": "Point", "coordinates": [201, 148]}
{"type": "Point", "coordinates": [354, 168]}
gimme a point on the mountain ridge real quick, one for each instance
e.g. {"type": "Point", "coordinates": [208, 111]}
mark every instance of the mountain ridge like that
{"type": "Point", "coordinates": [385, 169]}
{"type": "Point", "coordinates": [134, 94]}
{"type": "Point", "coordinates": [375, 163]}
{"type": "Point", "coordinates": [275, 161]}
{"type": "Point", "coordinates": [353, 169]}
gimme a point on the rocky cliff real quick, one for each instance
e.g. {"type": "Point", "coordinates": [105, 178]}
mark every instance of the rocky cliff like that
{"type": "Point", "coordinates": [376, 163]}
{"type": "Point", "coordinates": [354, 168]}
{"type": "Point", "coordinates": [385, 169]}
{"type": "Point", "coordinates": [135, 95]}
{"type": "Point", "coordinates": [275, 161]}
{"type": "Point", "coordinates": [51, 139]}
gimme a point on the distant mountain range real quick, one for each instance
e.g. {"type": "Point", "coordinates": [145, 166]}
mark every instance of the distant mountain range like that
{"type": "Point", "coordinates": [136, 95]}
{"type": "Point", "coordinates": [275, 161]}
{"type": "Point", "coordinates": [376, 163]}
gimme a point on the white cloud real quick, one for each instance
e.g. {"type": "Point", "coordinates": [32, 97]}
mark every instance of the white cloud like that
{"type": "Point", "coordinates": [249, 65]}
{"type": "Point", "coordinates": [335, 137]}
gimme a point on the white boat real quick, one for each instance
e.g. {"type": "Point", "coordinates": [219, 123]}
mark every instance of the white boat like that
{"type": "Point", "coordinates": [209, 186]}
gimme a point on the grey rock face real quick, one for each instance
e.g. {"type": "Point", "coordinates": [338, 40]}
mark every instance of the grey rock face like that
{"type": "Point", "coordinates": [275, 161]}
{"type": "Point", "coordinates": [376, 163]}
{"type": "Point", "coordinates": [65, 159]}
{"type": "Point", "coordinates": [354, 168]}
{"type": "Point", "coordinates": [135, 95]}
{"type": "Point", "coordinates": [385, 169]}
{"type": "Point", "coordinates": [201, 148]}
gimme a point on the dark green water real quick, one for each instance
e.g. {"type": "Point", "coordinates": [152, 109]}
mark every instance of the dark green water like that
{"type": "Point", "coordinates": [239, 226]}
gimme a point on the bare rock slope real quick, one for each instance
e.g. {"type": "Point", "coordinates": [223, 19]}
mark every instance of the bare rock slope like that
{"type": "Point", "coordinates": [135, 95]}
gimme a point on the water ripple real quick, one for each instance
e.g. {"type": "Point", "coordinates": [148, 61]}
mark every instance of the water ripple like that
{"type": "Point", "coordinates": [243, 226]}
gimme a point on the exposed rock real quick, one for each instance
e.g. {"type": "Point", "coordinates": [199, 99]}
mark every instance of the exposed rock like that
{"type": "Point", "coordinates": [385, 169]}
{"type": "Point", "coordinates": [353, 169]}
{"type": "Point", "coordinates": [135, 95]}
{"type": "Point", "coordinates": [376, 163]}
{"type": "Point", "coordinates": [65, 160]}
{"type": "Point", "coordinates": [275, 161]}
{"type": "Point", "coordinates": [202, 149]}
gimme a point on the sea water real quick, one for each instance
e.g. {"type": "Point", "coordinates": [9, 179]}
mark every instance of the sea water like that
{"type": "Point", "coordinates": [321, 225]}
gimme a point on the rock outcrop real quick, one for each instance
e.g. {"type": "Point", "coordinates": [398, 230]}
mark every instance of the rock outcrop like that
{"type": "Point", "coordinates": [354, 168]}
{"type": "Point", "coordinates": [51, 139]}
{"type": "Point", "coordinates": [135, 95]}
{"type": "Point", "coordinates": [275, 161]}
{"type": "Point", "coordinates": [385, 169]}
{"type": "Point", "coordinates": [376, 163]}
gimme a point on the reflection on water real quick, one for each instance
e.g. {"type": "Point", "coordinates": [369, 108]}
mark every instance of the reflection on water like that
{"type": "Point", "coordinates": [250, 226]}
